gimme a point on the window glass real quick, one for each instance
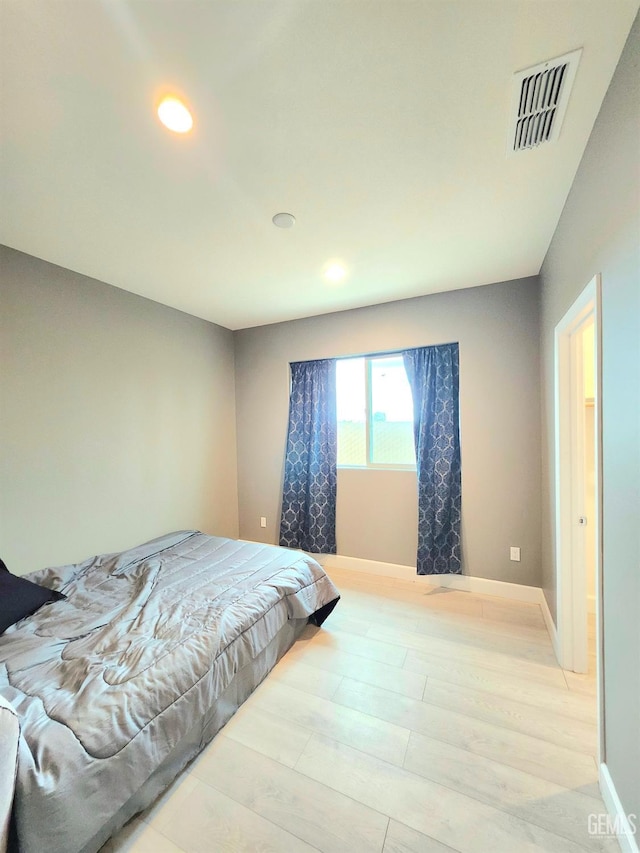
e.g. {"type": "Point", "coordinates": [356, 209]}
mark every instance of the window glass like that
{"type": "Point", "coordinates": [352, 412]}
{"type": "Point", "coordinates": [391, 428]}
{"type": "Point", "coordinates": [375, 413]}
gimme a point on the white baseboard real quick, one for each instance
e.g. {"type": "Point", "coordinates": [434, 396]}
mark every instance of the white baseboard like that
{"type": "Point", "coordinates": [486, 586]}
{"type": "Point", "coordinates": [368, 567]}
{"type": "Point", "coordinates": [626, 831]}
{"type": "Point", "coordinates": [466, 583]}
{"type": "Point", "coordinates": [551, 626]}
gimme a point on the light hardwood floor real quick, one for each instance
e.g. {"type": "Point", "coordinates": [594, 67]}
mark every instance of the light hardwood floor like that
{"type": "Point", "coordinates": [416, 720]}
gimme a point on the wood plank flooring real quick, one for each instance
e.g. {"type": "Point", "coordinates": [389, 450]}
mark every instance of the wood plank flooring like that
{"type": "Point", "coordinates": [417, 720]}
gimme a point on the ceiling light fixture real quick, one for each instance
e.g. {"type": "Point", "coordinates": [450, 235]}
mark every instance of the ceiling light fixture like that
{"type": "Point", "coordinates": [174, 115]}
{"type": "Point", "coordinates": [284, 220]}
{"type": "Point", "coordinates": [335, 272]}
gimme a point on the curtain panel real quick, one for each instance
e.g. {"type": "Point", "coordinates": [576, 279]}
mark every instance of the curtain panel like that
{"type": "Point", "coordinates": [433, 374]}
{"type": "Point", "coordinates": [308, 519]}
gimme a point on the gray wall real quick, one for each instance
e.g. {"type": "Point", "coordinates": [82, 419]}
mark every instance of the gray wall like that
{"type": "Point", "coordinates": [599, 231]}
{"type": "Point", "coordinates": [497, 328]}
{"type": "Point", "coordinates": [117, 418]}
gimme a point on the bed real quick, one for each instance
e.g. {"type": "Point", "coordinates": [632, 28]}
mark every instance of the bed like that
{"type": "Point", "coordinates": [119, 686]}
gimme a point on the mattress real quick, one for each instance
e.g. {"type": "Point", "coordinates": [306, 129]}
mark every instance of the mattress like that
{"type": "Point", "coordinates": [124, 682]}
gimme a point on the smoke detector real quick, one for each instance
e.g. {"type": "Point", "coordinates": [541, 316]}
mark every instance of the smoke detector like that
{"type": "Point", "coordinates": [284, 220]}
{"type": "Point", "coordinates": [539, 102]}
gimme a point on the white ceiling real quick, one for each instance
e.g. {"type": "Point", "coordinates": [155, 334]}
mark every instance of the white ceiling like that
{"type": "Point", "coordinates": [380, 125]}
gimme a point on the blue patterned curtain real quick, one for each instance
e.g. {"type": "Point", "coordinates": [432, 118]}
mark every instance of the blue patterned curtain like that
{"type": "Point", "coordinates": [308, 518]}
{"type": "Point", "coordinates": [433, 374]}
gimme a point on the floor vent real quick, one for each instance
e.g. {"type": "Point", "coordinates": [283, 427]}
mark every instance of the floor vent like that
{"type": "Point", "coordinates": [540, 98]}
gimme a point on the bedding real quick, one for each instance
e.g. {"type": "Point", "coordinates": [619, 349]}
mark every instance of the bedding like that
{"type": "Point", "coordinates": [9, 736]}
{"type": "Point", "coordinates": [121, 684]}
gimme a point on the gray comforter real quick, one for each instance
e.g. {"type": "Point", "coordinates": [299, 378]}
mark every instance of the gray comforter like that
{"type": "Point", "coordinates": [123, 675]}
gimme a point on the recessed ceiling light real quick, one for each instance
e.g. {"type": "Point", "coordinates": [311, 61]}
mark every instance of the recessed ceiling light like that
{"type": "Point", "coordinates": [335, 272]}
{"type": "Point", "coordinates": [174, 115]}
{"type": "Point", "coordinates": [284, 220]}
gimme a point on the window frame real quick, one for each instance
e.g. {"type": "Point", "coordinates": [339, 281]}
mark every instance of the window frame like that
{"type": "Point", "coordinates": [369, 465]}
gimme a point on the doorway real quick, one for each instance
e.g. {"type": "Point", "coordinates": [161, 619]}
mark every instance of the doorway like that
{"type": "Point", "coordinates": [578, 482]}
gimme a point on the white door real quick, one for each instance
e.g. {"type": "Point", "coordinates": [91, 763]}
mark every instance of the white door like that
{"type": "Point", "coordinates": [578, 522]}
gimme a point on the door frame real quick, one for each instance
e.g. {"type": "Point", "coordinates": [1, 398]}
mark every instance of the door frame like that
{"type": "Point", "coordinates": [571, 580]}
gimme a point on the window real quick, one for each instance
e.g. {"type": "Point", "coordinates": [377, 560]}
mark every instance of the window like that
{"type": "Point", "coordinates": [375, 413]}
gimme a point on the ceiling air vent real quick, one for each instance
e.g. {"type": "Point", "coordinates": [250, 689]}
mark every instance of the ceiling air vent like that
{"type": "Point", "coordinates": [540, 97]}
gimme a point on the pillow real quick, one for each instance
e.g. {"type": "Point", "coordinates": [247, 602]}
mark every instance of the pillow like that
{"type": "Point", "coordinates": [20, 597]}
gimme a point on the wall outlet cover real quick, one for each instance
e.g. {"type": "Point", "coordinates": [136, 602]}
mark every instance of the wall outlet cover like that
{"type": "Point", "coordinates": [515, 554]}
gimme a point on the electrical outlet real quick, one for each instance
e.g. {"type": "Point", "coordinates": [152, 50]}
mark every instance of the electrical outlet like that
{"type": "Point", "coordinates": [515, 554]}
{"type": "Point", "coordinates": [263, 521]}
